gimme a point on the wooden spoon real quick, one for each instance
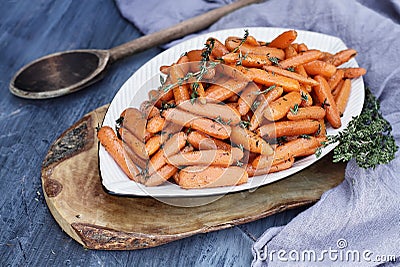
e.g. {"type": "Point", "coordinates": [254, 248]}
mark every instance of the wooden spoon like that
{"type": "Point", "coordinates": [69, 71]}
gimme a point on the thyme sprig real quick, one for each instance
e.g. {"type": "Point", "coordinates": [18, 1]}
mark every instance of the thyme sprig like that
{"type": "Point", "coordinates": [266, 90]}
{"type": "Point", "coordinates": [242, 41]}
{"type": "Point", "coordinates": [367, 138]}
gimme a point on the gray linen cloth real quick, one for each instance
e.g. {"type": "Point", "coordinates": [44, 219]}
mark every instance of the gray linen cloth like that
{"type": "Point", "coordinates": [362, 214]}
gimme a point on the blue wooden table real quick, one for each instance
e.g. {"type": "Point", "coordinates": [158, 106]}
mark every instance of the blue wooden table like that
{"type": "Point", "coordinates": [28, 233]}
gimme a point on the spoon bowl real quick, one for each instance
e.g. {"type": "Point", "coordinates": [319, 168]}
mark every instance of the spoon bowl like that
{"type": "Point", "coordinates": [60, 73]}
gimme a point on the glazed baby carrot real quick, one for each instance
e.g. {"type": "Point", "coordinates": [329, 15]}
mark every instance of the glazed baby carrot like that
{"type": "Point", "coordinates": [352, 73]}
{"type": "Point", "coordinates": [212, 111]}
{"type": "Point", "coordinates": [204, 125]}
{"type": "Point", "coordinates": [250, 141]}
{"type": "Point", "coordinates": [137, 146]}
{"type": "Point", "coordinates": [149, 110]}
{"type": "Point", "coordinates": [171, 147]}
{"type": "Point", "coordinates": [248, 60]}
{"type": "Point", "coordinates": [160, 176]}
{"type": "Point", "coordinates": [235, 43]}
{"type": "Point", "coordinates": [134, 121]}
{"type": "Point", "coordinates": [324, 95]}
{"type": "Point", "coordinates": [337, 87]}
{"type": "Point", "coordinates": [155, 124]}
{"type": "Point", "coordinates": [288, 150]}
{"type": "Point", "coordinates": [302, 48]}
{"type": "Point", "coordinates": [247, 98]}
{"type": "Point", "coordinates": [198, 88]}
{"type": "Point", "coordinates": [318, 67]}
{"type": "Point", "coordinates": [133, 157]}
{"type": "Point", "coordinates": [325, 56]}
{"type": "Point", "coordinates": [264, 100]}
{"type": "Point", "coordinates": [270, 78]}
{"type": "Point", "coordinates": [113, 146]}
{"type": "Point", "coordinates": [221, 92]}
{"type": "Point", "coordinates": [284, 39]}
{"type": "Point", "coordinates": [300, 59]}
{"type": "Point", "coordinates": [202, 141]}
{"type": "Point", "coordinates": [218, 48]}
{"type": "Point", "coordinates": [153, 144]}
{"type": "Point", "coordinates": [341, 57]}
{"type": "Point", "coordinates": [313, 112]}
{"type": "Point", "coordinates": [280, 107]}
{"type": "Point", "coordinates": [250, 40]}
{"type": "Point", "coordinates": [181, 92]}
{"type": "Point", "coordinates": [252, 171]}
{"type": "Point", "coordinates": [221, 158]}
{"type": "Point", "coordinates": [288, 128]}
{"type": "Point", "coordinates": [290, 74]}
{"type": "Point", "coordinates": [335, 79]}
{"type": "Point", "coordinates": [342, 96]}
{"type": "Point", "coordinates": [290, 52]}
{"type": "Point", "coordinates": [211, 176]}
{"type": "Point", "coordinates": [306, 98]}
{"type": "Point", "coordinates": [194, 55]}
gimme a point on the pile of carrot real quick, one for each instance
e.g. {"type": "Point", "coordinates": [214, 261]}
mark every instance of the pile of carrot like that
{"type": "Point", "coordinates": [231, 111]}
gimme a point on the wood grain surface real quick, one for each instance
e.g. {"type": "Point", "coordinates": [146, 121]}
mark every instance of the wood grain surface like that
{"type": "Point", "coordinates": [98, 220]}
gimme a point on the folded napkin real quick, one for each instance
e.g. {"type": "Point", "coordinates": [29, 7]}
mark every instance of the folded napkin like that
{"type": "Point", "coordinates": [361, 215]}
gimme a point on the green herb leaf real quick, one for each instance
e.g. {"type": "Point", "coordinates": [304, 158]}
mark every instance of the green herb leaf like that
{"type": "Point", "coordinates": [274, 60]}
{"type": "Point", "coordinates": [367, 138]}
{"type": "Point", "coordinates": [295, 109]}
{"type": "Point", "coordinates": [239, 163]}
{"type": "Point", "coordinates": [266, 90]}
{"type": "Point", "coordinates": [304, 96]}
{"type": "Point", "coordinates": [290, 69]}
{"type": "Point", "coordinates": [255, 105]}
{"type": "Point", "coordinates": [246, 34]}
{"type": "Point", "coordinates": [244, 124]}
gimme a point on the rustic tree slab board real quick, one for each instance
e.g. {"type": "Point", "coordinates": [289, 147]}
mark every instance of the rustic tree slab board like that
{"type": "Point", "coordinates": [98, 220]}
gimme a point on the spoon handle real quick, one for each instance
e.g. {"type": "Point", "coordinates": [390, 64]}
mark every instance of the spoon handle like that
{"type": "Point", "coordinates": [177, 31]}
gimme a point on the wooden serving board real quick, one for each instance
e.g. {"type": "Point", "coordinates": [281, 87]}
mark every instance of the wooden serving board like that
{"type": "Point", "coordinates": [98, 220]}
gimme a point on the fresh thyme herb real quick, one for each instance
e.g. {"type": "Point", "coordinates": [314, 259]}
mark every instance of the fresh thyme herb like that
{"type": "Point", "coordinates": [144, 173]}
{"type": "Point", "coordinates": [239, 163]}
{"type": "Point", "coordinates": [189, 130]}
{"type": "Point", "coordinates": [119, 121]}
{"type": "Point", "coordinates": [166, 105]}
{"type": "Point", "coordinates": [241, 58]}
{"type": "Point", "coordinates": [281, 140]}
{"type": "Point", "coordinates": [241, 147]}
{"type": "Point", "coordinates": [255, 105]}
{"type": "Point", "coordinates": [367, 138]}
{"type": "Point", "coordinates": [266, 90]}
{"type": "Point", "coordinates": [318, 132]}
{"type": "Point", "coordinates": [274, 60]}
{"type": "Point", "coordinates": [162, 80]}
{"type": "Point", "coordinates": [290, 69]}
{"type": "Point", "coordinates": [304, 96]}
{"type": "Point", "coordinates": [221, 121]}
{"type": "Point", "coordinates": [295, 109]}
{"type": "Point", "coordinates": [245, 124]}
{"type": "Point", "coordinates": [318, 152]}
{"type": "Point", "coordinates": [242, 41]}
{"type": "Point", "coordinates": [193, 96]}
{"type": "Point", "coordinates": [325, 104]}
{"type": "Point", "coordinates": [305, 136]}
